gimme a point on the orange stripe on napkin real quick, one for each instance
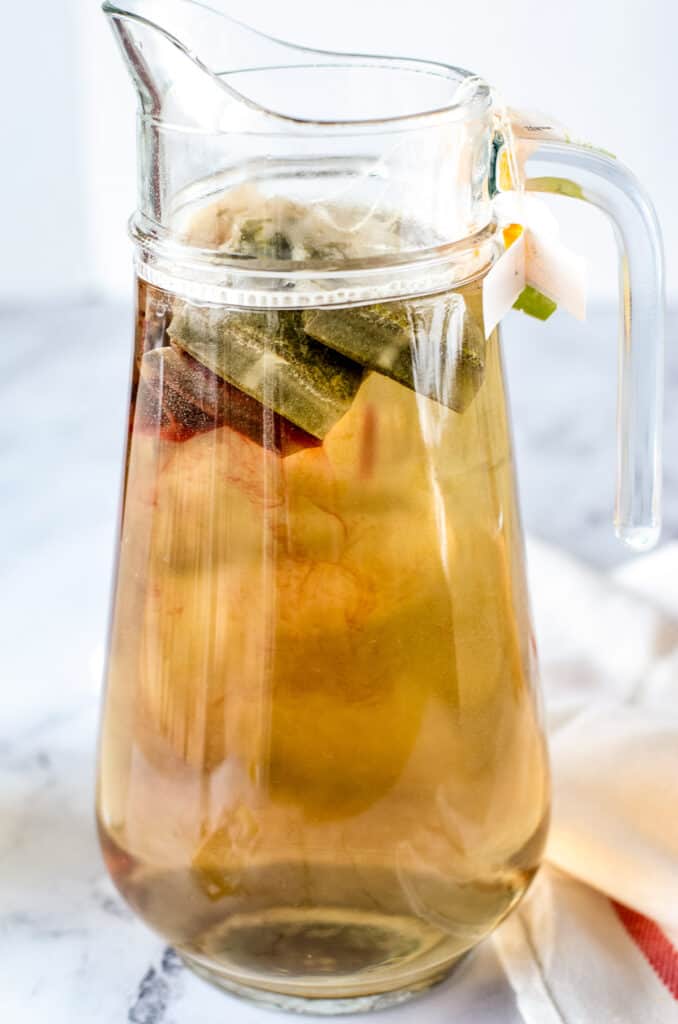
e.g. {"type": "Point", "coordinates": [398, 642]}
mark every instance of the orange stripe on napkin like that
{"type": "Point", "coordinates": [653, 944]}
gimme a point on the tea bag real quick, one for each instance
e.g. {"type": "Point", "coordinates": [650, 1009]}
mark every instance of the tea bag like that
{"type": "Point", "coordinates": [268, 356]}
{"type": "Point", "coordinates": [430, 345]}
{"type": "Point", "coordinates": [182, 397]}
{"type": "Point", "coordinates": [172, 397]}
{"type": "Point", "coordinates": [246, 222]}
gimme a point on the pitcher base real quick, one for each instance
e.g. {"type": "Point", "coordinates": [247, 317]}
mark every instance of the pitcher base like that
{"type": "Point", "coordinates": [328, 1006]}
{"type": "Point", "coordinates": [334, 999]}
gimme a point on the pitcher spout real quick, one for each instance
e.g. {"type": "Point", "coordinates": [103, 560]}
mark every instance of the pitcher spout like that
{"type": "Point", "coordinates": [185, 57]}
{"type": "Point", "coordinates": [178, 53]}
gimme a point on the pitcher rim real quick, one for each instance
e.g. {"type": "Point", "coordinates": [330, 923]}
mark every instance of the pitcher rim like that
{"type": "Point", "coordinates": [476, 97]}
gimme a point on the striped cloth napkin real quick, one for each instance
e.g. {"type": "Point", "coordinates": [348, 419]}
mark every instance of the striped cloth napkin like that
{"type": "Point", "coordinates": [596, 940]}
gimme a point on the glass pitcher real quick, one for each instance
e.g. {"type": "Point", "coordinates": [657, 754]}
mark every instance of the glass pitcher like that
{"type": "Point", "coordinates": [323, 776]}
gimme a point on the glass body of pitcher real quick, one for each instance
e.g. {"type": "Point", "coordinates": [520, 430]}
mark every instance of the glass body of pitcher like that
{"type": "Point", "coordinates": [322, 771]}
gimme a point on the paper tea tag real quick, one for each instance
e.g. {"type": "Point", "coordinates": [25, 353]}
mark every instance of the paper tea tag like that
{"type": "Point", "coordinates": [556, 271]}
{"type": "Point", "coordinates": [503, 284]}
{"type": "Point", "coordinates": [536, 257]}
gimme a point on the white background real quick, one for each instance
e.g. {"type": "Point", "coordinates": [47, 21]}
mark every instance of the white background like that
{"type": "Point", "coordinates": [606, 68]}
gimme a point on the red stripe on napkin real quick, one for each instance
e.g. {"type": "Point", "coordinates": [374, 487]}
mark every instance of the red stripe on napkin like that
{"type": "Point", "coordinates": [653, 944]}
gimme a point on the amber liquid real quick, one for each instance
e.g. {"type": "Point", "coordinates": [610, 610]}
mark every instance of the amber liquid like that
{"type": "Point", "coordinates": [322, 771]}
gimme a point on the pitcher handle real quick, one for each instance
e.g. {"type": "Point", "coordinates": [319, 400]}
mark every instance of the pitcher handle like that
{"type": "Point", "coordinates": [554, 164]}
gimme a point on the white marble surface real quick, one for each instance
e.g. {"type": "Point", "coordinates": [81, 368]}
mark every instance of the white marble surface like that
{"type": "Point", "coordinates": [70, 951]}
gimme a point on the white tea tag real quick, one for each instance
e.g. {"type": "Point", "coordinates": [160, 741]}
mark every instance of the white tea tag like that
{"type": "Point", "coordinates": [503, 284]}
{"type": "Point", "coordinates": [537, 258]}
{"type": "Point", "coordinates": [556, 271]}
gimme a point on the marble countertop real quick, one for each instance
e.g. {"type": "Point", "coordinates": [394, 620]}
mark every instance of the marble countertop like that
{"type": "Point", "coordinates": [70, 951]}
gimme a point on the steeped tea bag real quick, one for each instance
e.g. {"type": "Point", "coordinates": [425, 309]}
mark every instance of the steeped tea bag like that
{"type": "Point", "coordinates": [431, 345]}
{"type": "Point", "coordinates": [181, 397]}
{"type": "Point", "coordinates": [172, 397]}
{"type": "Point", "coordinates": [268, 356]}
{"type": "Point", "coordinates": [246, 222]}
